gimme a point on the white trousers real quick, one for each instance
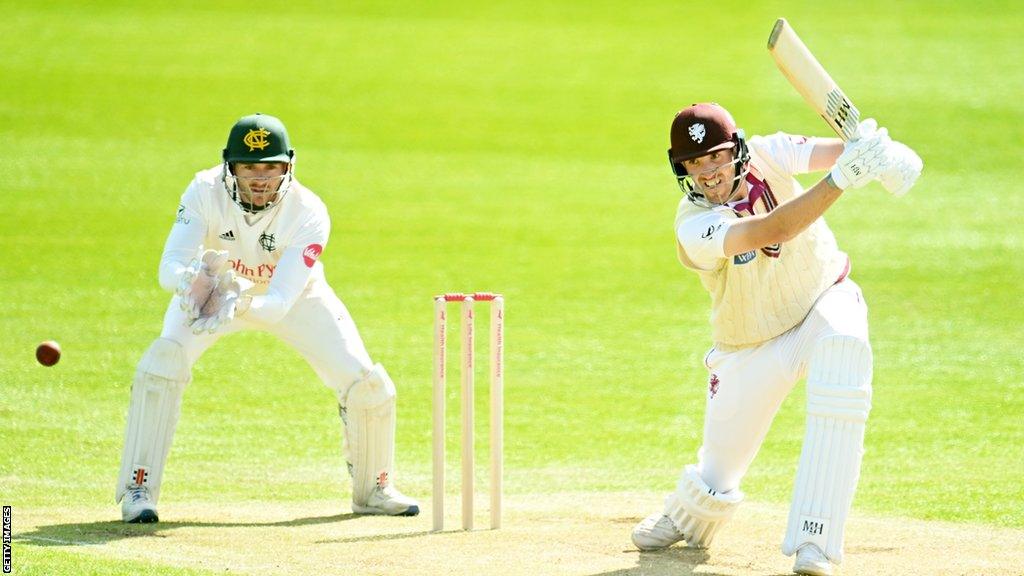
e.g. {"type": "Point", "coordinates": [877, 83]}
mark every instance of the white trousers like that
{"type": "Point", "coordinates": [746, 387]}
{"type": "Point", "coordinates": [318, 326]}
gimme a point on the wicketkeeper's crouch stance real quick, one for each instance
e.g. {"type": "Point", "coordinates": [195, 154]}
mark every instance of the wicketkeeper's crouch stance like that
{"type": "Point", "coordinates": [263, 232]}
{"type": "Point", "coordinates": [782, 307]}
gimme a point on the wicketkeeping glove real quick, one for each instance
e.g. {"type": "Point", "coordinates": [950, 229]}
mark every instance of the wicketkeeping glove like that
{"type": "Point", "coordinates": [219, 309]}
{"type": "Point", "coordinates": [199, 280]}
{"type": "Point", "coordinates": [864, 158]}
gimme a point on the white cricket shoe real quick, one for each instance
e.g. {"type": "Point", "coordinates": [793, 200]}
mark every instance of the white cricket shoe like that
{"type": "Point", "coordinates": [812, 561]}
{"type": "Point", "coordinates": [387, 501]}
{"type": "Point", "coordinates": [137, 507]}
{"type": "Point", "coordinates": [655, 532]}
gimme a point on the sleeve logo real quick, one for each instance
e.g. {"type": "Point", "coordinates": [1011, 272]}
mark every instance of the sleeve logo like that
{"type": "Point", "coordinates": [311, 253]}
{"type": "Point", "coordinates": [711, 231]}
{"type": "Point", "coordinates": [181, 217]}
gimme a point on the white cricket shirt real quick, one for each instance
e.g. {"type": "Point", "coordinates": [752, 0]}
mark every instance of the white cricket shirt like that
{"type": "Point", "coordinates": [277, 250]}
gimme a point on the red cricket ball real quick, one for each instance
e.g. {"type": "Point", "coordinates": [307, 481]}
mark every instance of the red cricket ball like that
{"type": "Point", "coordinates": [48, 353]}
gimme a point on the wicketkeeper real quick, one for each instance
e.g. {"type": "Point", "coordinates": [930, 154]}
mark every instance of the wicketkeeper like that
{"type": "Point", "coordinates": [244, 254]}
{"type": "Point", "coordinates": [783, 307]}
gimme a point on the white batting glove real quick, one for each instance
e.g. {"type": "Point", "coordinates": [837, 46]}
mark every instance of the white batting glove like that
{"type": "Point", "coordinates": [864, 158]}
{"type": "Point", "coordinates": [199, 280]}
{"type": "Point", "coordinates": [219, 309]}
{"type": "Point", "coordinates": [904, 169]}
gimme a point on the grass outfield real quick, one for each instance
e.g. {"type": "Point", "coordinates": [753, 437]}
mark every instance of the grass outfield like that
{"type": "Point", "coordinates": [513, 147]}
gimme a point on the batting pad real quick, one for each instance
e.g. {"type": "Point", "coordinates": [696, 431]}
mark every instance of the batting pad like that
{"type": "Point", "coordinates": [159, 384]}
{"type": "Point", "coordinates": [368, 414]}
{"type": "Point", "coordinates": [838, 402]}
{"type": "Point", "coordinates": [697, 510]}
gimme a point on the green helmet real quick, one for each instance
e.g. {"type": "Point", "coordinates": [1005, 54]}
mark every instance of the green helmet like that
{"type": "Point", "coordinates": [258, 138]}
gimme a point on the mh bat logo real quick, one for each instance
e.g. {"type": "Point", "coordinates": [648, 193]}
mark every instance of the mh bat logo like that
{"type": "Point", "coordinates": [842, 113]}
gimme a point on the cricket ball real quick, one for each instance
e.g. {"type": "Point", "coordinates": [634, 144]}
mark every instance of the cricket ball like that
{"type": "Point", "coordinates": [48, 353]}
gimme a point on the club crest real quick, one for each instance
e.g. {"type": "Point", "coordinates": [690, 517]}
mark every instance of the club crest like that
{"type": "Point", "coordinates": [268, 242]}
{"type": "Point", "coordinates": [256, 139]}
{"type": "Point", "coordinates": [697, 132]}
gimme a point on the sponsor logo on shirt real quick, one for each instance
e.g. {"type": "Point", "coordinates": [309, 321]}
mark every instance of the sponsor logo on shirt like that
{"type": "Point", "coordinates": [311, 253]}
{"type": "Point", "coordinates": [229, 235]}
{"type": "Point", "coordinates": [744, 258]}
{"type": "Point", "coordinates": [260, 274]}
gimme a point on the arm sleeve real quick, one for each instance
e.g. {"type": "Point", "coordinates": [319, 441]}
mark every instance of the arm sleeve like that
{"type": "Point", "coordinates": [703, 238]}
{"type": "Point", "coordinates": [186, 235]}
{"type": "Point", "coordinates": [790, 152]}
{"type": "Point", "coordinates": [290, 278]}
{"type": "Point", "coordinates": [293, 270]}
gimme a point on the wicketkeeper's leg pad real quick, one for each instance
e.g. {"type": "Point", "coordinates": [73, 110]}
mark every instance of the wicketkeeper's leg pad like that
{"type": "Point", "coordinates": [160, 381]}
{"type": "Point", "coordinates": [838, 402]}
{"type": "Point", "coordinates": [697, 510]}
{"type": "Point", "coordinates": [367, 410]}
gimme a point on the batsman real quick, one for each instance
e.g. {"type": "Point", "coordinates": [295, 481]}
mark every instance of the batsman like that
{"type": "Point", "coordinates": [783, 307]}
{"type": "Point", "coordinates": [244, 254]}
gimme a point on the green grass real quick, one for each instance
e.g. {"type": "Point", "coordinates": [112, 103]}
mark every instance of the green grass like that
{"type": "Point", "coordinates": [509, 147]}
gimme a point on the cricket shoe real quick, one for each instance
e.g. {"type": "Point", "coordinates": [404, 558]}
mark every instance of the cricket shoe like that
{"type": "Point", "coordinates": [811, 561]}
{"type": "Point", "coordinates": [389, 502]}
{"type": "Point", "coordinates": [137, 507]}
{"type": "Point", "coordinates": [655, 532]}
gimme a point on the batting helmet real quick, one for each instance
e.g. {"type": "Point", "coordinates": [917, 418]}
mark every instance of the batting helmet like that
{"type": "Point", "coordinates": [258, 138]}
{"type": "Point", "coordinates": [254, 139]}
{"type": "Point", "coordinates": [701, 129]}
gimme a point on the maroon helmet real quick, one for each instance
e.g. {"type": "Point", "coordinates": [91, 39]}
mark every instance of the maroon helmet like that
{"type": "Point", "coordinates": [701, 129]}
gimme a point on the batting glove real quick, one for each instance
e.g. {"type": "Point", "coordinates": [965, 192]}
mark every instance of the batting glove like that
{"type": "Point", "coordinates": [864, 158]}
{"type": "Point", "coordinates": [904, 169]}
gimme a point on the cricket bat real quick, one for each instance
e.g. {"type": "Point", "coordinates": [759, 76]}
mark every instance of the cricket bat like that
{"type": "Point", "coordinates": [804, 72]}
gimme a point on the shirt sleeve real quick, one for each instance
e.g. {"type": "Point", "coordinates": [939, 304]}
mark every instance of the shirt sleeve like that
{"type": "Point", "coordinates": [792, 153]}
{"type": "Point", "coordinates": [703, 238]}
{"type": "Point", "coordinates": [315, 230]}
{"type": "Point", "coordinates": [186, 235]}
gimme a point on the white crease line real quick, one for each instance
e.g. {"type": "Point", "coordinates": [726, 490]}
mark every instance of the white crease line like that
{"type": "Point", "coordinates": [55, 541]}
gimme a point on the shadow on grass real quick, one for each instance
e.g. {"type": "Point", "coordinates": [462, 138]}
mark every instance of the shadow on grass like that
{"type": "Point", "coordinates": [96, 533]}
{"type": "Point", "coordinates": [675, 561]}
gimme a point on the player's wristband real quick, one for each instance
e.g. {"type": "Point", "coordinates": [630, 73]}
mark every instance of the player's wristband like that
{"type": "Point", "coordinates": [832, 182]}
